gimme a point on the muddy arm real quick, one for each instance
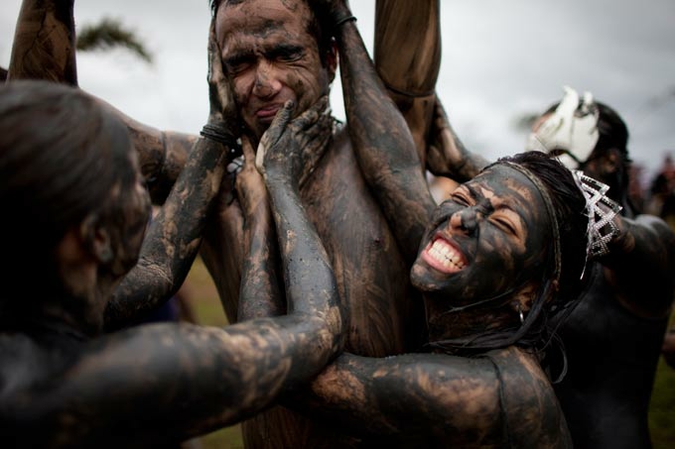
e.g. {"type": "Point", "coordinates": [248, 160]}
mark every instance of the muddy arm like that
{"type": "Point", "coordinates": [407, 57]}
{"type": "Point", "coordinates": [173, 239]}
{"type": "Point", "coordinates": [44, 48]}
{"type": "Point", "coordinates": [644, 250]}
{"type": "Point", "coordinates": [161, 154]}
{"type": "Point", "coordinates": [176, 234]}
{"type": "Point", "coordinates": [44, 42]}
{"type": "Point", "coordinates": [382, 142]}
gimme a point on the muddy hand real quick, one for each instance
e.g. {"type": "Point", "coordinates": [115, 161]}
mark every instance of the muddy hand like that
{"type": "Point", "coordinates": [281, 150]}
{"type": "Point", "coordinates": [224, 119]}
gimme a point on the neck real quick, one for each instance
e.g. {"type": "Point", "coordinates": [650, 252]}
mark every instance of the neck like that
{"type": "Point", "coordinates": [451, 324]}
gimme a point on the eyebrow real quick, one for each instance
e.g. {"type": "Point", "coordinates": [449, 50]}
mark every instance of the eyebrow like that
{"type": "Point", "coordinates": [284, 50]}
{"type": "Point", "coordinates": [505, 202]}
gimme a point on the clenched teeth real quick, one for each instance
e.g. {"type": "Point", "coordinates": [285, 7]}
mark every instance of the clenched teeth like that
{"type": "Point", "coordinates": [446, 255]}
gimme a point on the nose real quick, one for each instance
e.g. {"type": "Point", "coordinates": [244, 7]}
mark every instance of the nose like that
{"type": "Point", "coordinates": [267, 83]}
{"type": "Point", "coordinates": [465, 220]}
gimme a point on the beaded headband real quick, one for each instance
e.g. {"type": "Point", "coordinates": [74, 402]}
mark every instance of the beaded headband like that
{"type": "Point", "coordinates": [550, 210]}
{"type": "Point", "coordinates": [571, 129]}
{"type": "Point", "coordinates": [600, 211]}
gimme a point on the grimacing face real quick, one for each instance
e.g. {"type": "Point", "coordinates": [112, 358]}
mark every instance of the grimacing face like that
{"type": "Point", "coordinates": [270, 57]}
{"type": "Point", "coordinates": [488, 238]}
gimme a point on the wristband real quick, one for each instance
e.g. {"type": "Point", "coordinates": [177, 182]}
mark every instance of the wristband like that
{"type": "Point", "coordinates": [221, 135]}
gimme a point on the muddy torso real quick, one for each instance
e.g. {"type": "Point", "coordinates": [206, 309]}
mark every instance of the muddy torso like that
{"type": "Point", "coordinates": [612, 357]}
{"type": "Point", "coordinates": [370, 271]}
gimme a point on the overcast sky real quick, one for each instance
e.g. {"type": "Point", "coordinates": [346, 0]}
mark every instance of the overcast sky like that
{"type": "Point", "coordinates": [500, 59]}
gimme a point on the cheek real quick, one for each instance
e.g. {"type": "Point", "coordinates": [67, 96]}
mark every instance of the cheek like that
{"type": "Point", "coordinates": [501, 255]}
{"type": "Point", "coordinates": [241, 88]}
{"type": "Point", "coordinates": [308, 86]}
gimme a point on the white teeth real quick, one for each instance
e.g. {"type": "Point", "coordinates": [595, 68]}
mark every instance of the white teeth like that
{"type": "Point", "coordinates": [446, 255]}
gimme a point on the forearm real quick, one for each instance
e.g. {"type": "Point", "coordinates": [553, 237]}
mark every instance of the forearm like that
{"type": "Point", "coordinates": [382, 143]}
{"type": "Point", "coordinates": [408, 45]}
{"type": "Point", "coordinates": [311, 288]}
{"type": "Point", "coordinates": [407, 58]}
{"type": "Point", "coordinates": [44, 42]}
{"type": "Point", "coordinates": [166, 383]}
{"type": "Point", "coordinates": [173, 238]}
{"type": "Point", "coordinates": [407, 394]}
{"type": "Point", "coordinates": [260, 295]}
{"type": "Point", "coordinates": [446, 154]}
{"type": "Point", "coordinates": [644, 249]}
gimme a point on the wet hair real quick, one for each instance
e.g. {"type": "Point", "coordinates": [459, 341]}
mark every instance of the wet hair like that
{"type": "Point", "coordinates": [559, 290]}
{"type": "Point", "coordinates": [320, 24]}
{"type": "Point", "coordinates": [61, 155]}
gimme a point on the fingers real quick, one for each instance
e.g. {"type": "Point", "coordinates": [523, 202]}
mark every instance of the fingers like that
{"type": "Point", "coordinates": [273, 133]}
{"type": "Point", "coordinates": [247, 150]}
{"type": "Point", "coordinates": [308, 118]}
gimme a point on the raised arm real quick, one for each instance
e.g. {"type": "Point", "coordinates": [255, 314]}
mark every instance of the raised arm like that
{"type": "Point", "coordinates": [407, 57]}
{"type": "Point", "coordinates": [44, 42]}
{"type": "Point", "coordinates": [44, 47]}
{"type": "Point", "coordinates": [642, 257]}
{"type": "Point", "coordinates": [175, 235]}
{"type": "Point", "coordinates": [446, 154]}
{"type": "Point", "coordinates": [259, 284]}
{"type": "Point", "coordinates": [381, 139]}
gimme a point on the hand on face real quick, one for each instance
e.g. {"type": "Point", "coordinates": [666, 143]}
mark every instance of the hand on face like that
{"type": "Point", "coordinates": [285, 147]}
{"type": "Point", "coordinates": [223, 110]}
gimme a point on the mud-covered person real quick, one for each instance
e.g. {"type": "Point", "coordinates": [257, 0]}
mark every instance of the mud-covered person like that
{"type": "Point", "coordinates": [273, 51]}
{"type": "Point", "coordinates": [70, 177]}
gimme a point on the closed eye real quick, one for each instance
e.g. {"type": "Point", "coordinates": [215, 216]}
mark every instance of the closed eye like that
{"type": "Point", "coordinates": [286, 53]}
{"type": "Point", "coordinates": [460, 197]}
{"type": "Point", "coordinates": [238, 63]}
{"type": "Point", "coordinates": [504, 224]}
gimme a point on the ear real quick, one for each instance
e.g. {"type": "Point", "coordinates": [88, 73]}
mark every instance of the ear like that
{"type": "Point", "coordinates": [96, 239]}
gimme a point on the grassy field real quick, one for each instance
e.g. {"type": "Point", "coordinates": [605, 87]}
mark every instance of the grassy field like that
{"type": "Point", "coordinates": [208, 311]}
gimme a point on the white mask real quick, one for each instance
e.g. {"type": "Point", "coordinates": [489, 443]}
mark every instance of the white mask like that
{"type": "Point", "coordinates": [572, 129]}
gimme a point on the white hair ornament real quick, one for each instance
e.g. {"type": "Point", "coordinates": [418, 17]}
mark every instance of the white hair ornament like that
{"type": "Point", "coordinates": [600, 211]}
{"type": "Point", "coordinates": [571, 131]}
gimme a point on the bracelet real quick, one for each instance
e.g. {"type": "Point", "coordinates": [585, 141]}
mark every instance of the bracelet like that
{"type": "Point", "coordinates": [344, 20]}
{"type": "Point", "coordinates": [221, 135]}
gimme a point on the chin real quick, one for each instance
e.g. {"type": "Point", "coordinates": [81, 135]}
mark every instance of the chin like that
{"type": "Point", "coordinates": [424, 279]}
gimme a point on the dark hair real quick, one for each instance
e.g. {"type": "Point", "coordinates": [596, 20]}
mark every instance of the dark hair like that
{"type": "Point", "coordinates": [61, 154]}
{"type": "Point", "coordinates": [569, 205]}
{"type": "Point", "coordinates": [320, 25]}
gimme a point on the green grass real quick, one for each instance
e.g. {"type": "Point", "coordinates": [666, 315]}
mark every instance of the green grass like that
{"type": "Point", "coordinates": [206, 306]}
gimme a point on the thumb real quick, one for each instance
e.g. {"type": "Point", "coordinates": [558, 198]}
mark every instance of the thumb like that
{"type": "Point", "coordinates": [274, 132]}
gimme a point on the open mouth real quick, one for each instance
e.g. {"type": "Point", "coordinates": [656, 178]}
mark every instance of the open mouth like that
{"type": "Point", "coordinates": [442, 256]}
